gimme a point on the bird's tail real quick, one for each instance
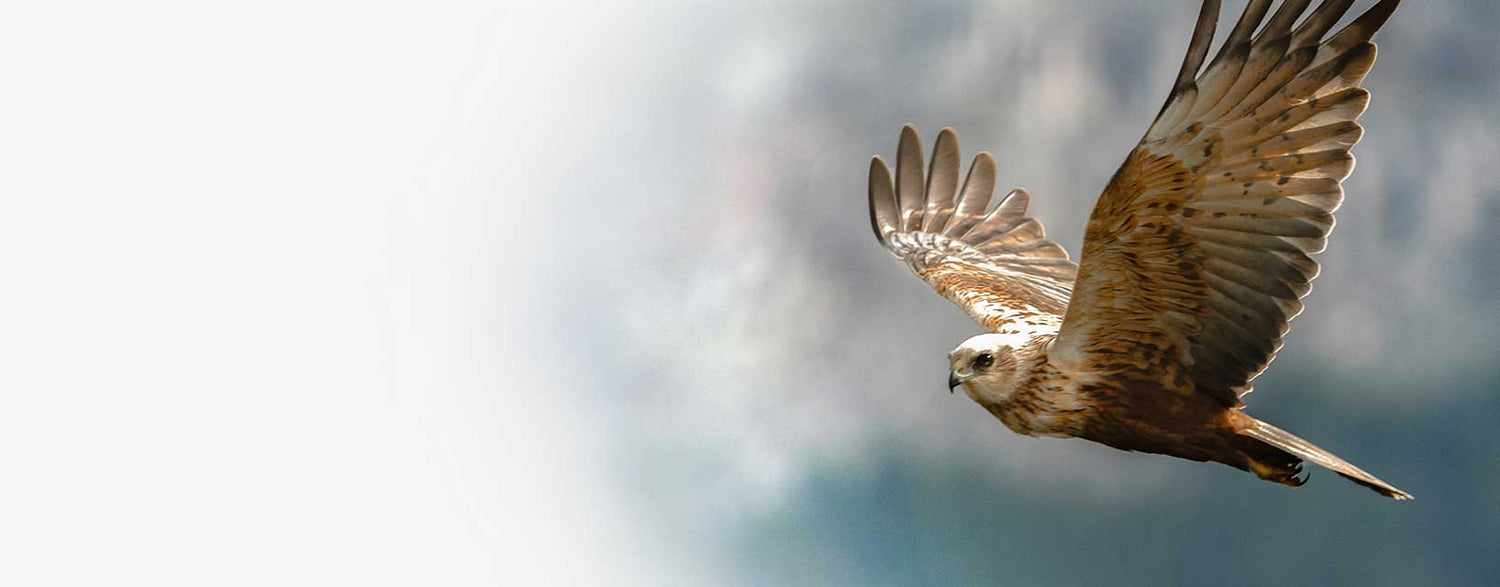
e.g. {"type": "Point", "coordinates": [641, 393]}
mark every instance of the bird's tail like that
{"type": "Point", "coordinates": [1305, 450]}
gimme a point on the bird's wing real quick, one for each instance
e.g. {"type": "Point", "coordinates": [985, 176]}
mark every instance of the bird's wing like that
{"type": "Point", "coordinates": [995, 264]}
{"type": "Point", "coordinates": [1197, 253]}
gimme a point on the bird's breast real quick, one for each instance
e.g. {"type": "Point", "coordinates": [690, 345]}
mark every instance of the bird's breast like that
{"type": "Point", "coordinates": [1048, 403]}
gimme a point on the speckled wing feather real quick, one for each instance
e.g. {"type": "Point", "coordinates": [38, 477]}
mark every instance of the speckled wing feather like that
{"type": "Point", "coordinates": [1197, 253]}
{"type": "Point", "coordinates": [995, 264]}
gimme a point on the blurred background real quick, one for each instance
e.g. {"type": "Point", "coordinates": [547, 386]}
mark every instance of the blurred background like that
{"type": "Point", "coordinates": [462, 293]}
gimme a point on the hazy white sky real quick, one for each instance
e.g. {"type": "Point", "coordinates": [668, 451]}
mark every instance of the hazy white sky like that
{"type": "Point", "coordinates": [262, 316]}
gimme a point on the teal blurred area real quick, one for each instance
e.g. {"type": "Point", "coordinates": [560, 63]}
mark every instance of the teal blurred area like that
{"type": "Point", "coordinates": [906, 520]}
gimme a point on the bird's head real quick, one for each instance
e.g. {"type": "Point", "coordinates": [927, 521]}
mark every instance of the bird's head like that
{"type": "Point", "coordinates": [986, 366]}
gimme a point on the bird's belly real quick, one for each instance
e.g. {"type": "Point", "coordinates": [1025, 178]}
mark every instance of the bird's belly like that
{"type": "Point", "coordinates": [1138, 416]}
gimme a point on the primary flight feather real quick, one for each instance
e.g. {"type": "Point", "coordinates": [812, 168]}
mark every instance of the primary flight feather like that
{"type": "Point", "coordinates": [1195, 257]}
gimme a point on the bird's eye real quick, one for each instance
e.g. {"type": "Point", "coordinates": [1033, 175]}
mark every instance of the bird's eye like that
{"type": "Point", "coordinates": [984, 360]}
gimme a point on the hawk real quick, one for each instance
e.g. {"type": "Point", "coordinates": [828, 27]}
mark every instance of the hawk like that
{"type": "Point", "coordinates": [1195, 258]}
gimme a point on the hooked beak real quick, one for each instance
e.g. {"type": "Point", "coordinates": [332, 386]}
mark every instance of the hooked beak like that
{"type": "Point", "coordinates": [953, 381]}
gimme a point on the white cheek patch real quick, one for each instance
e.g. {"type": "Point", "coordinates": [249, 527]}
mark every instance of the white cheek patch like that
{"type": "Point", "coordinates": [988, 389]}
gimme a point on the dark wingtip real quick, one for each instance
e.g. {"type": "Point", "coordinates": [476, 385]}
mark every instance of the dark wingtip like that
{"type": "Point", "coordinates": [1366, 25]}
{"type": "Point", "coordinates": [882, 199]}
{"type": "Point", "coordinates": [1203, 36]}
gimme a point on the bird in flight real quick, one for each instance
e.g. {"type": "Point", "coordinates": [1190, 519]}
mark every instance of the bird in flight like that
{"type": "Point", "coordinates": [1194, 259]}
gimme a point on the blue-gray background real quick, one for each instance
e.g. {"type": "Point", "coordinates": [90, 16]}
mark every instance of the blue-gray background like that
{"type": "Point", "coordinates": [466, 293]}
{"type": "Point", "coordinates": [772, 383]}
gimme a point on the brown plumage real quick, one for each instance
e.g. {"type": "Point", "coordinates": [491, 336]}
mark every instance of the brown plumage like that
{"type": "Point", "coordinates": [1195, 258]}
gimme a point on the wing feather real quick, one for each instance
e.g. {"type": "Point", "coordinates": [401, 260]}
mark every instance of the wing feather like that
{"type": "Point", "coordinates": [884, 215]}
{"type": "Point", "coordinates": [1203, 36]}
{"type": "Point", "coordinates": [995, 264]}
{"type": "Point", "coordinates": [979, 187]}
{"type": "Point", "coordinates": [910, 183]}
{"type": "Point", "coordinates": [942, 181]}
{"type": "Point", "coordinates": [1199, 248]}
{"type": "Point", "coordinates": [1281, 23]}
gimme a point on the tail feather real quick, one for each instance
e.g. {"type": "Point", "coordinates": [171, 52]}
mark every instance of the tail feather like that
{"type": "Point", "coordinates": [1307, 451]}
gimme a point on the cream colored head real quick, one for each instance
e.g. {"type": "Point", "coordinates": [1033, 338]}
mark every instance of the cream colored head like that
{"type": "Point", "coordinates": [986, 365]}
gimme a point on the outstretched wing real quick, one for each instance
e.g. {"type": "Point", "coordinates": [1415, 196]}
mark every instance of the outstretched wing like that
{"type": "Point", "coordinates": [995, 264]}
{"type": "Point", "coordinates": [1197, 253]}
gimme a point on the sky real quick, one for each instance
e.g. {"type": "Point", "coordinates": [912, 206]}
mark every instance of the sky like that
{"type": "Point", "coordinates": [469, 293]}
